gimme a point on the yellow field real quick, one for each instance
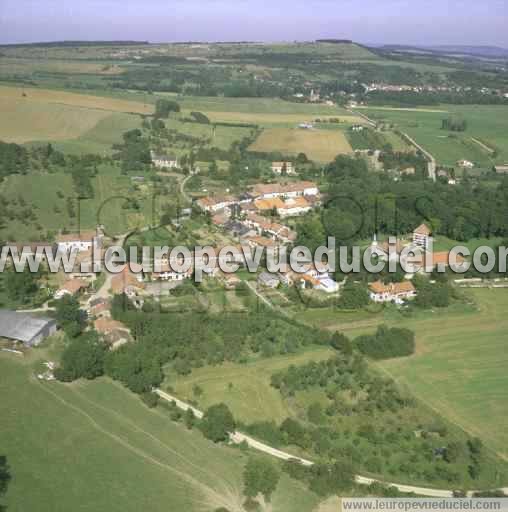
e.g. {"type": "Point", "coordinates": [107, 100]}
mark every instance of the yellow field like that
{"type": "Point", "coordinates": [275, 118]}
{"type": "Point", "coordinates": [75, 100]}
{"type": "Point", "coordinates": [9, 66]}
{"type": "Point", "coordinates": [55, 115]}
{"type": "Point", "coordinates": [318, 145]}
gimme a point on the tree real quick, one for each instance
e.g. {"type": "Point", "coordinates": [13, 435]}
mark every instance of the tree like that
{"type": "Point", "coordinates": [260, 476]}
{"type": "Point", "coordinates": [218, 423]}
{"type": "Point", "coordinates": [5, 477]}
{"type": "Point", "coordinates": [164, 107]}
{"type": "Point", "coordinates": [353, 296]}
{"type": "Point", "coordinates": [21, 286]}
{"type": "Point", "coordinates": [70, 317]}
{"type": "Point", "coordinates": [83, 357]}
{"type": "Point", "coordinates": [342, 343]}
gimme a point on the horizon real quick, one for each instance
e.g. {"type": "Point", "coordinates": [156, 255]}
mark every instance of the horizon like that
{"type": "Point", "coordinates": [425, 23]}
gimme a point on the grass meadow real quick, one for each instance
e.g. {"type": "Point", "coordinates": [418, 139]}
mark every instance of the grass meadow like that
{"type": "Point", "coordinates": [47, 194]}
{"type": "Point", "coordinates": [94, 446]}
{"type": "Point", "coordinates": [488, 124]}
{"type": "Point", "coordinates": [459, 368]}
{"type": "Point", "coordinates": [245, 388]}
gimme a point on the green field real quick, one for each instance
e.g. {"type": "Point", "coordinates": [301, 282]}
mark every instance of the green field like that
{"type": "Point", "coordinates": [40, 191]}
{"type": "Point", "coordinates": [488, 124]}
{"type": "Point", "coordinates": [94, 446]}
{"type": "Point", "coordinates": [250, 396]}
{"type": "Point", "coordinates": [459, 368]}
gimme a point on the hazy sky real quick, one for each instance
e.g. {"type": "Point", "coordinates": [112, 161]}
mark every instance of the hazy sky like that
{"type": "Point", "coordinates": [369, 21]}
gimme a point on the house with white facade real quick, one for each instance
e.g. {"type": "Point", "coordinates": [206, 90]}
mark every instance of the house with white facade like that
{"type": "Point", "coordinates": [164, 161]}
{"type": "Point", "coordinates": [392, 292]}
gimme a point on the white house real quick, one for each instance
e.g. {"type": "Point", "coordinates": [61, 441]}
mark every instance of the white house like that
{"type": "Point", "coordinates": [283, 167]}
{"type": "Point", "coordinates": [83, 241]}
{"type": "Point", "coordinates": [164, 161]}
{"type": "Point", "coordinates": [466, 164]}
{"type": "Point", "coordinates": [422, 236]}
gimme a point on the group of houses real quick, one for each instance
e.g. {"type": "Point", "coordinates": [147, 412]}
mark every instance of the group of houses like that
{"type": "Point", "coordinates": [253, 217]}
{"type": "Point", "coordinates": [417, 258]}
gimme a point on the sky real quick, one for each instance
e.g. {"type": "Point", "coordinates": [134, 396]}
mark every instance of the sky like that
{"type": "Point", "coordinates": [418, 22]}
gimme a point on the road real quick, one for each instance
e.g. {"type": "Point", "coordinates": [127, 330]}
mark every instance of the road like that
{"type": "Point", "coordinates": [255, 291]}
{"type": "Point", "coordinates": [182, 188]}
{"type": "Point", "coordinates": [431, 161]}
{"type": "Point", "coordinates": [238, 437]}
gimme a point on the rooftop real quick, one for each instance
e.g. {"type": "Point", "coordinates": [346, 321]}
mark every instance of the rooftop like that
{"type": "Point", "coordinates": [21, 326]}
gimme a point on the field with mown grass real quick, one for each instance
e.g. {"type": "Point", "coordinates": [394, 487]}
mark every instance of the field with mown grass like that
{"type": "Point", "coordinates": [318, 145]}
{"type": "Point", "coordinates": [41, 115]}
{"type": "Point", "coordinates": [93, 445]}
{"type": "Point", "coordinates": [459, 368]}
{"type": "Point", "coordinates": [488, 124]}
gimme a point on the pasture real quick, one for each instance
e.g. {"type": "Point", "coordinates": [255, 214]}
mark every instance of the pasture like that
{"type": "Point", "coordinates": [48, 196]}
{"type": "Point", "coordinates": [488, 124]}
{"type": "Point", "coordinates": [459, 368]}
{"type": "Point", "coordinates": [245, 388]}
{"type": "Point", "coordinates": [318, 145]}
{"type": "Point", "coordinates": [130, 457]}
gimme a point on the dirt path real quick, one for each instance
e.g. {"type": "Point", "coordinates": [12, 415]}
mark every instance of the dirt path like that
{"type": "Point", "coordinates": [482, 145]}
{"type": "Point", "coordinates": [238, 437]}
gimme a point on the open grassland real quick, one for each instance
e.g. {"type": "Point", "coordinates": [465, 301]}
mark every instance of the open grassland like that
{"type": "Point", "coordinates": [488, 124]}
{"type": "Point", "coordinates": [220, 136]}
{"type": "Point", "coordinates": [94, 446]}
{"type": "Point", "coordinates": [459, 368]}
{"type": "Point", "coordinates": [48, 196]}
{"type": "Point", "coordinates": [318, 145]}
{"type": "Point", "coordinates": [245, 388]}
{"type": "Point", "coordinates": [9, 66]}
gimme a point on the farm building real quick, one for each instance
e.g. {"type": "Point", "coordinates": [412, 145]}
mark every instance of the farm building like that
{"type": "Point", "coordinates": [27, 329]}
{"type": "Point", "coordinates": [501, 169]}
{"type": "Point", "coordinates": [392, 292]}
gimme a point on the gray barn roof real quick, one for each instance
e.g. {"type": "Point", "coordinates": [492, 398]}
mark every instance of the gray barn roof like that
{"type": "Point", "coordinates": [21, 326]}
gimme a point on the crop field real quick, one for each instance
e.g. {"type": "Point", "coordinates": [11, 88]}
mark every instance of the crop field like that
{"type": "Point", "coordinates": [318, 145]}
{"type": "Point", "coordinates": [487, 124]}
{"type": "Point", "coordinates": [45, 115]}
{"type": "Point", "coordinates": [245, 388]}
{"type": "Point", "coordinates": [131, 457]}
{"type": "Point", "coordinates": [459, 368]}
{"type": "Point", "coordinates": [100, 138]}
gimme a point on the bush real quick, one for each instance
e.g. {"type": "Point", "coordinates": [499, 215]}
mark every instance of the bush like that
{"type": "Point", "coordinates": [150, 399]}
{"type": "Point", "coordinates": [387, 343]}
